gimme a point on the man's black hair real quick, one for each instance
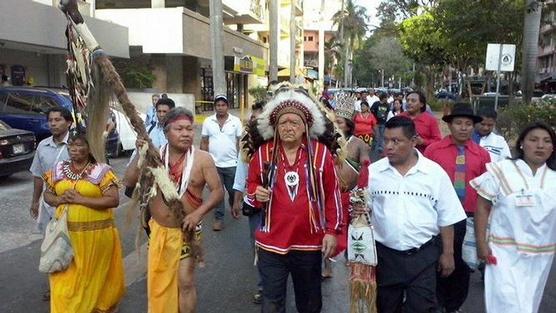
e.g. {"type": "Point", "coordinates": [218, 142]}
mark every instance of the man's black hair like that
{"type": "Point", "coordinates": [259, 105]}
{"type": "Point", "coordinates": [489, 113]}
{"type": "Point", "coordinates": [166, 101]}
{"type": "Point", "coordinates": [405, 123]}
{"type": "Point", "coordinates": [66, 114]}
{"type": "Point", "coordinates": [422, 99]}
{"type": "Point", "coordinates": [382, 96]}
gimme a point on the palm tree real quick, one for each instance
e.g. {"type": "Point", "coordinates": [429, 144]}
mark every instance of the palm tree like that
{"type": "Point", "coordinates": [332, 54]}
{"type": "Point", "coordinates": [531, 26]}
{"type": "Point", "coordinates": [352, 21]}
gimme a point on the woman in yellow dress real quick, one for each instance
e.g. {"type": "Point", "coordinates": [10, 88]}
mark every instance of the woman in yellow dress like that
{"type": "Point", "coordinates": [88, 190]}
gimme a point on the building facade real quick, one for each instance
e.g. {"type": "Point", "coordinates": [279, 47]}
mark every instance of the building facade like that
{"type": "Point", "coordinates": [33, 43]}
{"type": "Point", "coordinates": [546, 64]}
{"type": "Point", "coordinates": [172, 38]}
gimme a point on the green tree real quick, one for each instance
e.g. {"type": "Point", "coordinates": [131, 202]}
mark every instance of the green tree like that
{"type": "Point", "coordinates": [353, 21]}
{"type": "Point", "coordinates": [332, 55]}
{"type": "Point", "coordinates": [380, 53]}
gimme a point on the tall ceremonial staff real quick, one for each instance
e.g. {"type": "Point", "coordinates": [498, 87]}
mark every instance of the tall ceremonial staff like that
{"type": "Point", "coordinates": [93, 81]}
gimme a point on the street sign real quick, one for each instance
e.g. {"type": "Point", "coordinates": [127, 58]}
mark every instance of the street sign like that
{"type": "Point", "coordinates": [500, 53]}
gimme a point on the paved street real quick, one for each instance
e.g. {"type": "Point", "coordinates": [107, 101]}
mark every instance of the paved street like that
{"type": "Point", "coordinates": [225, 284]}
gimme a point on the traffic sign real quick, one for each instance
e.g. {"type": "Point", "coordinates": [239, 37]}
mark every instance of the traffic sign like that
{"type": "Point", "coordinates": [500, 54]}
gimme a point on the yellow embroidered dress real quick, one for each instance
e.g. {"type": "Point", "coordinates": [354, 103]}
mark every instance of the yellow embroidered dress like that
{"type": "Point", "coordinates": [94, 281]}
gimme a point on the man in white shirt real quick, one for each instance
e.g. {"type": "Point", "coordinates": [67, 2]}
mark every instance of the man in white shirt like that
{"type": "Point", "coordinates": [484, 135]}
{"type": "Point", "coordinates": [413, 208]}
{"type": "Point", "coordinates": [371, 97]}
{"type": "Point", "coordinates": [220, 137]}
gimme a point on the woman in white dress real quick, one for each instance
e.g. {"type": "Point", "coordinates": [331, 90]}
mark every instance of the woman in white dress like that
{"type": "Point", "coordinates": [517, 198]}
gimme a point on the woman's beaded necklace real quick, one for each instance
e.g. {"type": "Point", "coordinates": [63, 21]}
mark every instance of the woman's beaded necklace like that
{"type": "Point", "coordinates": [70, 174]}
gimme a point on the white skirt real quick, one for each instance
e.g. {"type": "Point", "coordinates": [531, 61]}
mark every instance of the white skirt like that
{"type": "Point", "coordinates": [516, 284]}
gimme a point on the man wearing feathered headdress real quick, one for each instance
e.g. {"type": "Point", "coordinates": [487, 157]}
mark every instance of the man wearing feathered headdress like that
{"type": "Point", "coordinates": [292, 176]}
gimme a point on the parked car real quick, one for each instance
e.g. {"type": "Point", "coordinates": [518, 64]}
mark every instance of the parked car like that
{"type": "Point", "coordinates": [17, 148]}
{"type": "Point", "coordinates": [25, 107]}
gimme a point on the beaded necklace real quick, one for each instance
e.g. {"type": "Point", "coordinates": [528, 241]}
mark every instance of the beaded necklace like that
{"type": "Point", "coordinates": [68, 172]}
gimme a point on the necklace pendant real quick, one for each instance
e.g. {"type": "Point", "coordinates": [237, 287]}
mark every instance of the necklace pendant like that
{"type": "Point", "coordinates": [291, 179]}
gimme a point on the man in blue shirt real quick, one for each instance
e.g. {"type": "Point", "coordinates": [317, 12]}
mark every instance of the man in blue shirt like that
{"type": "Point", "coordinates": [151, 118]}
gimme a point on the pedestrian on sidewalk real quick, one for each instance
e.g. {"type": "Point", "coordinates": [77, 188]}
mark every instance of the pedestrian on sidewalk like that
{"type": "Point", "coordinates": [220, 136]}
{"type": "Point", "coordinates": [171, 265]}
{"type": "Point", "coordinates": [87, 191]}
{"type": "Point", "coordinates": [426, 124]}
{"type": "Point", "coordinates": [151, 118]}
{"type": "Point", "coordinates": [292, 176]}
{"type": "Point", "coordinates": [463, 160]}
{"type": "Point", "coordinates": [414, 209]}
{"type": "Point", "coordinates": [517, 200]}
{"type": "Point", "coordinates": [49, 151]}
{"type": "Point", "coordinates": [380, 110]}
{"type": "Point", "coordinates": [365, 124]}
{"type": "Point", "coordinates": [484, 135]}
{"type": "Point", "coordinates": [241, 205]}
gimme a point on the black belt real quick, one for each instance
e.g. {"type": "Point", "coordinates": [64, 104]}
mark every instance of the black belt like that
{"type": "Point", "coordinates": [413, 250]}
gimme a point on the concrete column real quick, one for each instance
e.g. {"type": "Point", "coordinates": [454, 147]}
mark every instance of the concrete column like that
{"type": "Point", "coordinates": [321, 45]}
{"type": "Point", "coordinates": [219, 78]}
{"type": "Point", "coordinates": [273, 38]}
{"type": "Point", "coordinates": [174, 74]}
{"type": "Point", "coordinates": [292, 42]}
{"type": "Point", "coordinates": [158, 62]}
{"type": "Point", "coordinates": [158, 3]}
{"type": "Point", "coordinates": [56, 67]}
{"type": "Point", "coordinates": [192, 76]}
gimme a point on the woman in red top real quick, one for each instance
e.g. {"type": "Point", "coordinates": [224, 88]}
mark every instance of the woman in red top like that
{"type": "Point", "coordinates": [365, 124]}
{"type": "Point", "coordinates": [425, 123]}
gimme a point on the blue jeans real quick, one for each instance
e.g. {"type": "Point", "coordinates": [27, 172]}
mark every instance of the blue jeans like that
{"type": "Point", "coordinates": [305, 269]}
{"type": "Point", "coordinates": [227, 175]}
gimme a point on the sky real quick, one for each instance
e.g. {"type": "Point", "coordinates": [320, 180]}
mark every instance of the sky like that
{"type": "Point", "coordinates": [371, 6]}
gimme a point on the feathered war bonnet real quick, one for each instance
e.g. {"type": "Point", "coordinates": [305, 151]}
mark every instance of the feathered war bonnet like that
{"type": "Point", "coordinates": [289, 100]}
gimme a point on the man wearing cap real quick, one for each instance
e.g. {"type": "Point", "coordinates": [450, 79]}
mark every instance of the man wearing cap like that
{"type": "Point", "coordinates": [220, 137]}
{"type": "Point", "coordinates": [484, 135]}
{"type": "Point", "coordinates": [463, 160]}
{"type": "Point", "coordinates": [292, 176]}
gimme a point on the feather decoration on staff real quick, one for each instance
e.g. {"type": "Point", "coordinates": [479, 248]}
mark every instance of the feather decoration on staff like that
{"type": "Point", "coordinates": [93, 81]}
{"type": "Point", "coordinates": [362, 251]}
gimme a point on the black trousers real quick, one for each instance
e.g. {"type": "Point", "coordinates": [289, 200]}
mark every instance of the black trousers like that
{"type": "Point", "coordinates": [305, 269]}
{"type": "Point", "coordinates": [452, 290]}
{"type": "Point", "coordinates": [409, 274]}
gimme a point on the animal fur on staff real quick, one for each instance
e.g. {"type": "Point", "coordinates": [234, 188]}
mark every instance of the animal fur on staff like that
{"type": "Point", "coordinates": [362, 280]}
{"type": "Point", "coordinates": [108, 82]}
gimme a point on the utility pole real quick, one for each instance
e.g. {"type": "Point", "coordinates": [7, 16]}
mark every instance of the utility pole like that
{"type": "Point", "coordinates": [292, 41]}
{"type": "Point", "coordinates": [321, 45]}
{"type": "Point", "coordinates": [218, 75]}
{"type": "Point", "coordinates": [273, 40]}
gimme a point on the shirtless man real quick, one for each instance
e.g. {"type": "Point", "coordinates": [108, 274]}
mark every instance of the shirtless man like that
{"type": "Point", "coordinates": [171, 266]}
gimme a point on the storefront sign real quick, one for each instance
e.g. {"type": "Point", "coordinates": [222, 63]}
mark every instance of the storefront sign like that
{"type": "Point", "coordinates": [243, 65]}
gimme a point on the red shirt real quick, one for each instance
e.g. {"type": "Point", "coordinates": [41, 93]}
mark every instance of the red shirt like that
{"type": "Point", "coordinates": [287, 223]}
{"type": "Point", "coordinates": [364, 125]}
{"type": "Point", "coordinates": [427, 128]}
{"type": "Point", "coordinates": [444, 153]}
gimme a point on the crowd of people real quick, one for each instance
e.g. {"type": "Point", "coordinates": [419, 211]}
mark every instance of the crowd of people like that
{"type": "Point", "coordinates": [290, 170]}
